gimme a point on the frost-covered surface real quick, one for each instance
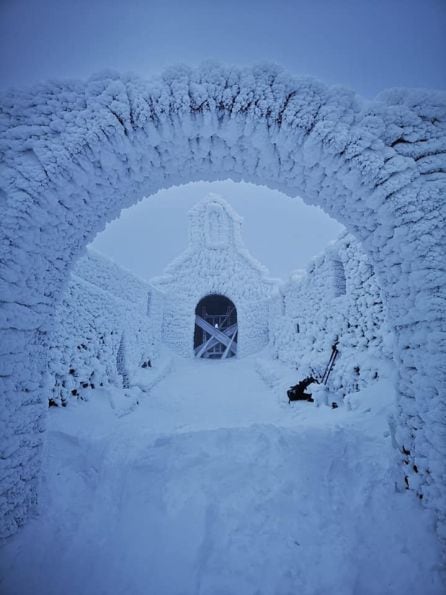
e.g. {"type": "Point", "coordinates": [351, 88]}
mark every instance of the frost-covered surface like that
{"type": "Point", "coordinates": [102, 333]}
{"type": "Point", "coordinates": [73, 154]}
{"type": "Point", "coordinates": [223, 492]}
{"type": "Point", "coordinates": [105, 274]}
{"type": "Point", "coordinates": [337, 300]}
{"type": "Point", "coordinates": [216, 261]}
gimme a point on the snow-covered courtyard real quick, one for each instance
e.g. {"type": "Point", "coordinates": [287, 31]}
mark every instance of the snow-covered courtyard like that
{"type": "Point", "coordinates": [213, 484]}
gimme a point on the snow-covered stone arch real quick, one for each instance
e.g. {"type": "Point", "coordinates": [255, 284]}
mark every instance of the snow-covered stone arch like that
{"type": "Point", "coordinates": [73, 154]}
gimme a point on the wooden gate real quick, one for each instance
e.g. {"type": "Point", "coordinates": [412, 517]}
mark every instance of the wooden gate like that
{"type": "Point", "coordinates": [215, 328]}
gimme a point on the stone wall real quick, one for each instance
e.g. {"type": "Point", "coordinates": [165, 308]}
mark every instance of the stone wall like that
{"type": "Point", "coordinates": [336, 300]}
{"type": "Point", "coordinates": [102, 333]}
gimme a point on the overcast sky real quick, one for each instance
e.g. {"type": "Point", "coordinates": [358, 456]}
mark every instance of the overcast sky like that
{"type": "Point", "coordinates": [367, 45]}
{"type": "Point", "coordinates": [282, 232]}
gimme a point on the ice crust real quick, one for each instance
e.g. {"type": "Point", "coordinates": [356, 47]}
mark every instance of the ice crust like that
{"type": "Point", "coordinates": [74, 153]}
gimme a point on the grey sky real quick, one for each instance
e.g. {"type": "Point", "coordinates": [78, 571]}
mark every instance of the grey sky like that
{"type": "Point", "coordinates": [282, 232]}
{"type": "Point", "coordinates": [367, 45]}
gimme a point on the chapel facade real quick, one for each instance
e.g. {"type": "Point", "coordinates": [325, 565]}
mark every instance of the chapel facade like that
{"type": "Point", "coordinates": [215, 295]}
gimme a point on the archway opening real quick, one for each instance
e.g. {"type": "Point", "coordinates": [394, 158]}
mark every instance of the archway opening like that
{"type": "Point", "coordinates": [216, 329]}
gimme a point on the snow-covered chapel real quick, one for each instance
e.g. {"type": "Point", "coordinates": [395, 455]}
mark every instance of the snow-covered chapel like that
{"type": "Point", "coordinates": [215, 294]}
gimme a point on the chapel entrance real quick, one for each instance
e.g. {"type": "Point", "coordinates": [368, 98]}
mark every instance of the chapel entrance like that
{"type": "Point", "coordinates": [215, 328]}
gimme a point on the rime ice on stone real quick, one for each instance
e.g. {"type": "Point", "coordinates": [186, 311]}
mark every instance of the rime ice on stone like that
{"type": "Point", "coordinates": [215, 263]}
{"type": "Point", "coordinates": [337, 300]}
{"type": "Point", "coordinates": [102, 334]}
{"type": "Point", "coordinates": [74, 153]}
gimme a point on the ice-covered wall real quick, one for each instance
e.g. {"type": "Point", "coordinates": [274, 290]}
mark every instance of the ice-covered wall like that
{"type": "Point", "coordinates": [102, 333]}
{"type": "Point", "coordinates": [337, 299]}
{"type": "Point", "coordinates": [74, 153]}
{"type": "Point", "coordinates": [216, 261]}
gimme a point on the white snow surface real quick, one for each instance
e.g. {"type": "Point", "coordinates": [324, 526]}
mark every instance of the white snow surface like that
{"type": "Point", "coordinates": [213, 485]}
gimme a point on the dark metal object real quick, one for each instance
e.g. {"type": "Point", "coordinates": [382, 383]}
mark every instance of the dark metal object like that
{"type": "Point", "coordinates": [331, 363]}
{"type": "Point", "coordinates": [297, 392]}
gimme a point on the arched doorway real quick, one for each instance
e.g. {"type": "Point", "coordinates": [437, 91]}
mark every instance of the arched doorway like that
{"type": "Point", "coordinates": [216, 329]}
{"type": "Point", "coordinates": [77, 153]}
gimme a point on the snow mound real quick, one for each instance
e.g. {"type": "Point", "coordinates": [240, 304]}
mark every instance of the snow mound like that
{"type": "Point", "coordinates": [224, 491]}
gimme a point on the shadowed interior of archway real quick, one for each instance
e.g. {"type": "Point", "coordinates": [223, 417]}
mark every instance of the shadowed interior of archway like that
{"type": "Point", "coordinates": [215, 335]}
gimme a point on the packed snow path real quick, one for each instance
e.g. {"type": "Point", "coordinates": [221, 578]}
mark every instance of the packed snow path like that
{"type": "Point", "coordinates": [213, 486]}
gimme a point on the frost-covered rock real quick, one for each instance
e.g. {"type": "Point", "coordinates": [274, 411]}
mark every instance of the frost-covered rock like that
{"type": "Point", "coordinates": [337, 301]}
{"type": "Point", "coordinates": [102, 334]}
{"type": "Point", "coordinates": [73, 154]}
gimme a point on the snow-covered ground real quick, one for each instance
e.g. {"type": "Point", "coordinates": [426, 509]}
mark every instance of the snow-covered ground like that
{"type": "Point", "coordinates": [213, 485]}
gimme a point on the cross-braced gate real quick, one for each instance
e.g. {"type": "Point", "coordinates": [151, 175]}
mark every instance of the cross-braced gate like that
{"type": "Point", "coordinates": [215, 328]}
